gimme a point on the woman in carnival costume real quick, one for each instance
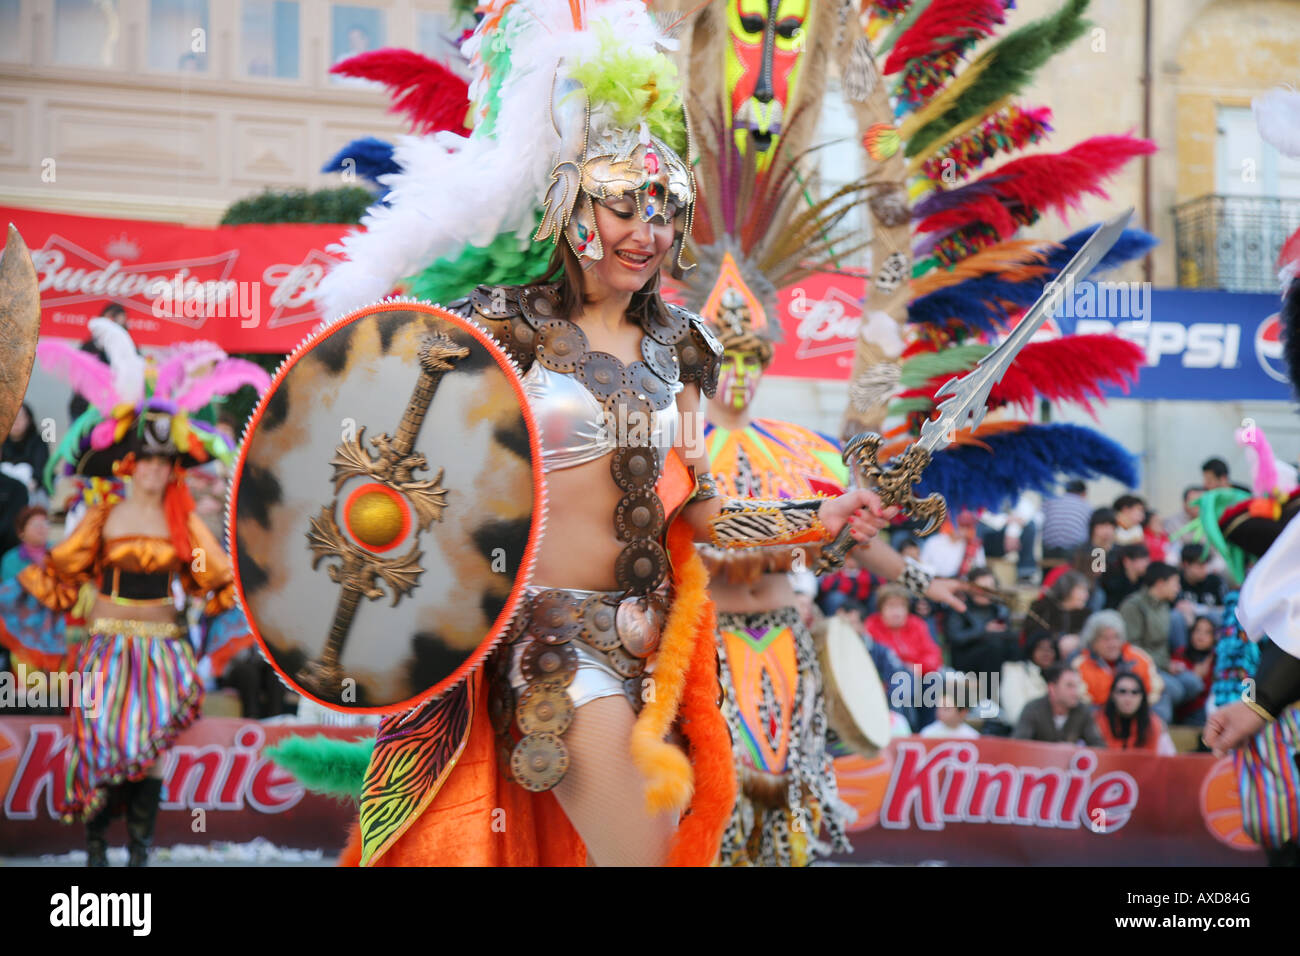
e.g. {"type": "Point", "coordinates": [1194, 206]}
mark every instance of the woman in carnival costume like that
{"type": "Point", "coordinates": [133, 553]}
{"type": "Point", "coordinates": [571, 760]}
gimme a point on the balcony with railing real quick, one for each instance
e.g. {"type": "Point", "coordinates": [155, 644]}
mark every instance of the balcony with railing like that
{"type": "Point", "coordinates": [1232, 242]}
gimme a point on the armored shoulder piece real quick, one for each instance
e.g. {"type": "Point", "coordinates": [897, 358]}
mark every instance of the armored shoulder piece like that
{"type": "Point", "coordinates": [699, 353]}
{"type": "Point", "coordinates": [512, 314]}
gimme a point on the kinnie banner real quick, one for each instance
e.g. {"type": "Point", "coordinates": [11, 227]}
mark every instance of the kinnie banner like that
{"type": "Point", "coordinates": [986, 801]}
{"type": "Point", "coordinates": [218, 787]}
{"type": "Point", "coordinates": [1002, 802]}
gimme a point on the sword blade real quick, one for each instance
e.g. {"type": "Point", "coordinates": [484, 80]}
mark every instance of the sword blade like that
{"type": "Point", "coordinates": [969, 393]}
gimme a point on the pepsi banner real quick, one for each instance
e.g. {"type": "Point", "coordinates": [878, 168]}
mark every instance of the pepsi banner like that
{"type": "Point", "coordinates": [1201, 346]}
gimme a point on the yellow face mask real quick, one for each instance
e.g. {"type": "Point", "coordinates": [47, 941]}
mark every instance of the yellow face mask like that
{"type": "Point", "coordinates": [764, 52]}
{"type": "Point", "coordinates": [738, 378]}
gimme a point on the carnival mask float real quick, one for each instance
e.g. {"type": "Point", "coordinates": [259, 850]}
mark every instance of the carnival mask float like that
{"type": "Point", "coordinates": [935, 91]}
{"type": "Point", "coordinates": [20, 325]}
{"type": "Point", "coordinates": [588, 83]}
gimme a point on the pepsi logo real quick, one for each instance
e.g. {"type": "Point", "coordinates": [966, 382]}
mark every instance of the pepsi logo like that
{"type": "Point", "coordinates": [1269, 350]}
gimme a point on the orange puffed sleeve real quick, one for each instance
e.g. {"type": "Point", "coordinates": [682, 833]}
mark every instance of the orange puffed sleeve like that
{"type": "Point", "coordinates": [208, 569]}
{"type": "Point", "coordinates": [70, 563]}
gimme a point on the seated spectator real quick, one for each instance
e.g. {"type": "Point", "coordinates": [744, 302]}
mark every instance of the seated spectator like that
{"type": "Point", "coordinates": [850, 584]}
{"type": "Point", "coordinates": [977, 637]}
{"type": "Point", "coordinates": [1176, 523]}
{"type": "Point", "coordinates": [932, 616]}
{"type": "Point", "coordinates": [1124, 569]}
{"type": "Point", "coordinates": [13, 499]}
{"type": "Point", "coordinates": [896, 627]}
{"type": "Point", "coordinates": [33, 529]}
{"type": "Point", "coordinates": [908, 547]}
{"type": "Point", "coordinates": [1091, 559]}
{"type": "Point", "coordinates": [1023, 681]}
{"type": "Point", "coordinates": [1154, 537]}
{"type": "Point", "coordinates": [954, 706]}
{"type": "Point", "coordinates": [1127, 723]}
{"type": "Point", "coordinates": [1148, 619]}
{"type": "Point", "coordinates": [1130, 516]}
{"type": "Point", "coordinates": [1066, 522]}
{"type": "Point", "coordinates": [1060, 716]}
{"type": "Point", "coordinates": [1199, 657]}
{"type": "Point", "coordinates": [1215, 475]}
{"type": "Point", "coordinates": [1201, 587]}
{"type": "Point", "coordinates": [1012, 533]}
{"type": "Point", "coordinates": [24, 453]}
{"type": "Point", "coordinates": [1107, 652]}
{"type": "Point", "coordinates": [897, 677]}
{"type": "Point", "coordinates": [954, 549]}
{"type": "Point", "coordinates": [1061, 610]}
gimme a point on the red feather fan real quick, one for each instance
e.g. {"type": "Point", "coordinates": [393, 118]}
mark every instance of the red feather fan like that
{"type": "Point", "coordinates": [432, 96]}
{"type": "Point", "coordinates": [1027, 187]}
{"type": "Point", "coordinates": [943, 24]}
{"type": "Point", "coordinates": [1070, 369]}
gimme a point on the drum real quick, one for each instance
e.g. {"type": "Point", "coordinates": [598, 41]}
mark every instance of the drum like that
{"type": "Point", "coordinates": [857, 708]}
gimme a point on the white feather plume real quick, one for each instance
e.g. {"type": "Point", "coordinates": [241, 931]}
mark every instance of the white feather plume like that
{"type": "Point", "coordinates": [123, 358]}
{"type": "Point", "coordinates": [1277, 116]}
{"type": "Point", "coordinates": [452, 191]}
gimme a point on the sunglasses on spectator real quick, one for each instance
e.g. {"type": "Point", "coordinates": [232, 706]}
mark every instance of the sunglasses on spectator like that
{"type": "Point", "coordinates": [1128, 691]}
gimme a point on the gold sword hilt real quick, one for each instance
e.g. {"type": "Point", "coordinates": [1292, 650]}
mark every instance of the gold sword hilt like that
{"type": "Point", "coordinates": [893, 484]}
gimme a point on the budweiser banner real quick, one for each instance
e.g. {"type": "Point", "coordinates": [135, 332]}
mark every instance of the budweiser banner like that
{"type": "Point", "coordinates": [219, 787]}
{"type": "Point", "coordinates": [247, 288]}
{"type": "Point", "coordinates": [250, 288]}
{"type": "Point", "coordinates": [996, 801]}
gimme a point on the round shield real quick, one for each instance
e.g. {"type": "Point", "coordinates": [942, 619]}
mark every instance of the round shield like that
{"type": "Point", "coordinates": [386, 508]}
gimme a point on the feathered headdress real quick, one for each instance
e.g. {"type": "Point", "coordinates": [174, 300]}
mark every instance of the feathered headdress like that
{"type": "Point", "coordinates": [142, 407]}
{"type": "Point", "coordinates": [757, 230]}
{"type": "Point", "coordinates": [949, 264]}
{"type": "Point", "coordinates": [464, 209]}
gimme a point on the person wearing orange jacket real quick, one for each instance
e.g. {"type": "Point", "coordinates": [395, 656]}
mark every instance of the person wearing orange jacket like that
{"type": "Point", "coordinates": [1107, 653]}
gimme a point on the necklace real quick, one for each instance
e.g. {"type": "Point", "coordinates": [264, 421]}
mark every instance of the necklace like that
{"type": "Point", "coordinates": [526, 321]}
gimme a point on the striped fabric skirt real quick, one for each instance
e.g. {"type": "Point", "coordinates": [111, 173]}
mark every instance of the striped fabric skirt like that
{"type": "Point", "coordinates": [146, 690]}
{"type": "Point", "coordinates": [1270, 781]}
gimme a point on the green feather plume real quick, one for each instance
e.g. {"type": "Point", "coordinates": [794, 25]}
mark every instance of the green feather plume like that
{"type": "Point", "coordinates": [325, 765]}
{"type": "Point", "coordinates": [70, 448]}
{"type": "Point", "coordinates": [1014, 60]}
{"type": "Point", "coordinates": [1210, 507]}
{"type": "Point", "coordinates": [919, 369]}
{"type": "Point", "coordinates": [501, 262]}
{"type": "Point", "coordinates": [906, 406]}
{"type": "Point", "coordinates": [636, 84]}
{"type": "Point", "coordinates": [495, 52]}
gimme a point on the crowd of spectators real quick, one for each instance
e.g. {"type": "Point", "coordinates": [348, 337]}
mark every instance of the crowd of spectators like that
{"type": "Point", "coordinates": [1104, 635]}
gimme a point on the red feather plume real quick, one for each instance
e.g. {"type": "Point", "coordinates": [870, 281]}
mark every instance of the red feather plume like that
{"type": "Point", "coordinates": [1070, 369]}
{"type": "Point", "coordinates": [1025, 188]}
{"type": "Point", "coordinates": [944, 24]}
{"type": "Point", "coordinates": [431, 96]}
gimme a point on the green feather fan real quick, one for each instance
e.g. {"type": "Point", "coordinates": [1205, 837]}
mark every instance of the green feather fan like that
{"type": "Point", "coordinates": [918, 370]}
{"type": "Point", "coordinates": [1012, 64]}
{"type": "Point", "coordinates": [501, 262]}
{"type": "Point", "coordinates": [335, 768]}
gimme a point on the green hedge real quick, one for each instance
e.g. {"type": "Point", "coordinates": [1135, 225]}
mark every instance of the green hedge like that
{"type": "Point", "coordinates": [345, 204]}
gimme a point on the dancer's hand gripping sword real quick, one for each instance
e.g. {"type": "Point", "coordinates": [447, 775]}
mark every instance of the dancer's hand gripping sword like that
{"type": "Point", "coordinates": [964, 408]}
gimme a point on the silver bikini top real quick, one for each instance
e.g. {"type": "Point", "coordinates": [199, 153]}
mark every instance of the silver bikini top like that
{"type": "Point", "coordinates": [572, 423]}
